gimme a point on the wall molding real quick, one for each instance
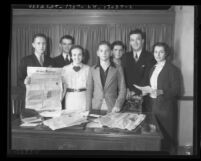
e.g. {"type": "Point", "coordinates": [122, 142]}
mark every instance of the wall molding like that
{"type": "Point", "coordinates": [62, 16]}
{"type": "Point", "coordinates": [186, 98]}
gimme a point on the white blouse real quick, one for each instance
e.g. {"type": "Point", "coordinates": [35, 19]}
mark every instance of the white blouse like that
{"type": "Point", "coordinates": [154, 77]}
{"type": "Point", "coordinates": [73, 79]}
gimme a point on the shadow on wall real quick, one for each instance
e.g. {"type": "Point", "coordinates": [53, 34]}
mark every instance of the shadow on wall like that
{"type": "Point", "coordinates": [49, 46]}
{"type": "Point", "coordinates": [175, 58]}
{"type": "Point", "coordinates": [86, 56]}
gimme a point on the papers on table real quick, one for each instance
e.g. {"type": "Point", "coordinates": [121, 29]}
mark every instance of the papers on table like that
{"type": "Point", "coordinates": [66, 120]}
{"type": "Point", "coordinates": [125, 120]}
{"type": "Point", "coordinates": [31, 121]}
{"type": "Point", "coordinates": [45, 89]}
{"type": "Point", "coordinates": [94, 125]}
{"type": "Point", "coordinates": [54, 113]}
{"type": "Point", "coordinates": [94, 115]}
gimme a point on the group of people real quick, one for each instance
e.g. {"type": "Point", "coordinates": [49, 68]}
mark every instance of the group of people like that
{"type": "Point", "coordinates": [105, 86]}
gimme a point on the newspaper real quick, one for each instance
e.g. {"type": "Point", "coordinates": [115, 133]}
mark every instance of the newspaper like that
{"type": "Point", "coordinates": [67, 120]}
{"type": "Point", "coordinates": [44, 92]}
{"type": "Point", "coordinates": [125, 120]}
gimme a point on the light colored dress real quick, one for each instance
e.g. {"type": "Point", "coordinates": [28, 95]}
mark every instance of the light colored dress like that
{"type": "Point", "coordinates": [75, 101]}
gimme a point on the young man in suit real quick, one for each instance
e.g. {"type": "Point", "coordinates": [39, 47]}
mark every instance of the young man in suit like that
{"type": "Point", "coordinates": [136, 63]}
{"type": "Point", "coordinates": [37, 59]}
{"type": "Point", "coordinates": [64, 58]}
{"type": "Point", "coordinates": [106, 90]}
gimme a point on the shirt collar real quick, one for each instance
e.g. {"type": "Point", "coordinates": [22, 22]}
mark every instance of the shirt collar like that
{"type": "Point", "coordinates": [111, 64]}
{"type": "Point", "coordinates": [80, 65]}
{"type": "Point", "coordinates": [160, 64]}
{"type": "Point", "coordinates": [65, 55]}
{"type": "Point", "coordinates": [38, 56]}
{"type": "Point", "coordinates": [138, 52]}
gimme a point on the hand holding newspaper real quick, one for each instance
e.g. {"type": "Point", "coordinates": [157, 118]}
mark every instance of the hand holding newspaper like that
{"type": "Point", "coordinates": [43, 88]}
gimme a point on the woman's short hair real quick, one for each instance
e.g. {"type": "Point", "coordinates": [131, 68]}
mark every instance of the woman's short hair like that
{"type": "Point", "coordinates": [165, 47]}
{"type": "Point", "coordinates": [76, 47]}
{"type": "Point", "coordinates": [39, 35]}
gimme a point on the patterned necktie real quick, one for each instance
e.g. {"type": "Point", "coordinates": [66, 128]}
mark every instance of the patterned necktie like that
{"type": "Point", "coordinates": [76, 68]}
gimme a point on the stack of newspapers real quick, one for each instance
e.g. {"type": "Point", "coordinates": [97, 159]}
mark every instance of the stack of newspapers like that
{"type": "Point", "coordinates": [125, 120]}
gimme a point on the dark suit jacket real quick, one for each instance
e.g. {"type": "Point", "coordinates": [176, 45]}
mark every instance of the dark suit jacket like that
{"type": "Point", "coordinates": [31, 60]}
{"type": "Point", "coordinates": [165, 105]}
{"type": "Point", "coordinates": [60, 62]}
{"type": "Point", "coordinates": [135, 72]}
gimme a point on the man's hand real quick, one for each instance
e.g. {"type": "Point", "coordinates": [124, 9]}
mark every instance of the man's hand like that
{"type": "Point", "coordinates": [129, 94]}
{"type": "Point", "coordinates": [115, 109]}
{"type": "Point", "coordinates": [27, 80]}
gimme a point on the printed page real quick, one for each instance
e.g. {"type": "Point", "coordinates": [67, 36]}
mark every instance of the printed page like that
{"type": "Point", "coordinates": [45, 89]}
{"type": "Point", "coordinates": [125, 120]}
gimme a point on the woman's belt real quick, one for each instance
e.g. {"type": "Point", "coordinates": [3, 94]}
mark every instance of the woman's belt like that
{"type": "Point", "coordinates": [75, 90]}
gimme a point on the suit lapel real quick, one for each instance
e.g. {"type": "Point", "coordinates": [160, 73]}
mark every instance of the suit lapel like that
{"type": "Point", "coordinates": [162, 75]}
{"type": "Point", "coordinates": [36, 60]}
{"type": "Point", "coordinates": [151, 71]}
{"type": "Point", "coordinates": [141, 57]}
{"type": "Point", "coordinates": [110, 74]}
{"type": "Point", "coordinates": [97, 76]}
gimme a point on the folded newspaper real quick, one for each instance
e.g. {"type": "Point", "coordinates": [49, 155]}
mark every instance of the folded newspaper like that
{"type": "Point", "coordinates": [45, 89]}
{"type": "Point", "coordinates": [67, 119]}
{"type": "Point", "coordinates": [125, 120]}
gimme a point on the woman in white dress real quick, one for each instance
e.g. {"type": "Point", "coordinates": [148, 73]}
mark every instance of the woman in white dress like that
{"type": "Point", "coordinates": [74, 78]}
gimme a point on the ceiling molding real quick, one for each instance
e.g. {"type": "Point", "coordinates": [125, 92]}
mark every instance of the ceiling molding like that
{"type": "Point", "coordinates": [55, 16]}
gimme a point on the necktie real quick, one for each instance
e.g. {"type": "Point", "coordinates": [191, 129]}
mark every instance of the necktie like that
{"type": "Point", "coordinates": [136, 57]}
{"type": "Point", "coordinates": [41, 60]}
{"type": "Point", "coordinates": [76, 68]}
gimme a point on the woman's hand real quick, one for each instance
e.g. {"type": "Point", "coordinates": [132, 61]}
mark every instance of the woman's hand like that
{"type": "Point", "coordinates": [157, 92]}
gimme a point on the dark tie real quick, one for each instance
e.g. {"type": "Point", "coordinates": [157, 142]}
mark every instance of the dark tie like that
{"type": "Point", "coordinates": [76, 68]}
{"type": "Point", "coordinates": [136, 57]}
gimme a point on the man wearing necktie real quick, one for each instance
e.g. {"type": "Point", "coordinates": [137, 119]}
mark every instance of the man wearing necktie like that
{"type": "Point", "coordinates": [37, 59]}
{"type": "Point", "coordinates": [136, 63]}
{"type": "Point", "coordinates": [63, 59]}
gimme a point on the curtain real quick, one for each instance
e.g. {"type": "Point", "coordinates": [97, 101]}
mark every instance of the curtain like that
{"type": "Point", "coordinates": [88, 36]}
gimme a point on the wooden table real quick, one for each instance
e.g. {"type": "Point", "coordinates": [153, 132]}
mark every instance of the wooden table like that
{"type": "Point", "coordinates": [81, 138]}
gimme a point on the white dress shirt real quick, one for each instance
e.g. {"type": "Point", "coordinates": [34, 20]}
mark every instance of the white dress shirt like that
{"type": "Point", "coordinates": [66, 55]}
{"type": "Point", "coordinates": [138, 54]}
{"type": "Point", "coordinates": [154, 77]}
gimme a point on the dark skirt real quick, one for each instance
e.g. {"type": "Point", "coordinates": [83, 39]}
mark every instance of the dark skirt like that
{"type": "Point", "coordinates": [165, 112]}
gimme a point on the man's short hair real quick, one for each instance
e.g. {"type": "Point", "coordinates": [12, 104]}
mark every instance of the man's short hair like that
{"type": "Point", "coordinates": [69, 37]}
{"type": "Point", "coordinates": [39, 35]}
{"type": "Point", "coordinates": [119, 43]}
{"type": "Point", "coordinates": [137, 31]}
{"type": "Point", "coordinates": [104, 43]}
